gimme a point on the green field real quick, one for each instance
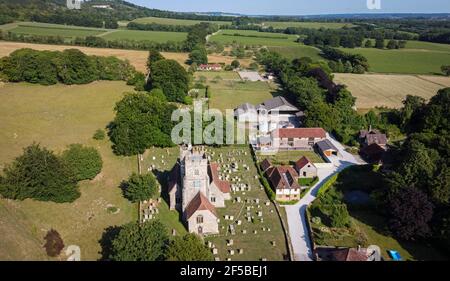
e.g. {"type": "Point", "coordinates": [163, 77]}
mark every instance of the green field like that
{"type": "Point", "coordinates": [168, 21]}
{"type": "Point", "coordinates": [297, 51]}
{"type": "Point", "coordinates": [138, 35]}
{"type": "Point", "coordinates": [286, 24]}
{"type": "Point", "coordinates": [426, 60]}
{"type": "Point", "coordinates": [43, 29]}
{"type": "Point", "coordinates": [211, 75]}
{"type": "Point", "coordinates": [56, 116]}
{"type": "Point", "coordinates": [226, 94]}
{"type": "Point", "coordinates": [250, 37]}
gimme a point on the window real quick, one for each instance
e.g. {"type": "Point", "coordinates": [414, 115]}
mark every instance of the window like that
{"type": "Point", "coordinates": [199, 219]}
{"type": "Point", "coordinates": [197, 184]}
{"type": "Point", "coordinates": [196, 172]}
{"type": "Point", "coordinates": [304, 174]}
{"type": "Point", "coordinates": [213, 199]}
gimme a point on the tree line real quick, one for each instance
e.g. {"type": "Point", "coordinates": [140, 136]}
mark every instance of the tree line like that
{"type": "Point", "coordinates": [342, 62]}
{"type": "Point", "coordinates": [68, 67]}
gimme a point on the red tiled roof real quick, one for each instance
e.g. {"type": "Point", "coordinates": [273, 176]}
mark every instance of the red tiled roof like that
{"type": "Point", "coordinates": [300, 133]}
{"type": "Point", "coordinates": [302, 162]}
{"type": "Point", "coordinates": [283, 177]}
{"type": "Point", "coordinates": [265, 165]}
{"type": "Point", "coordinates": [174, 177]}
{"type": "Point", "coordinates": [223, 186]}
{"type": "Point", "coordinates": [349, 254]}
{"type": "Point", "coordinates": [199, 203]}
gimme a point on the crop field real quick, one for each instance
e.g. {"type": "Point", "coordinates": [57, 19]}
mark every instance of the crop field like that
{"type": "Point", "coordinates": [373, 90]}
{"type": "Point", "coordinates": [167, 21]}
{"type": "Point", "coordinates": [56, 116]}
{"type": "Point", "coordinates": [317, 25]}
{"type": "Point", "coordinates": [250, 37]}
{"type": "Point", "coordinates": [44, 29]}
{"type": "Point", "coordinates": [416, 58]}
{"type": "Point", "coordinates": [138, 35]}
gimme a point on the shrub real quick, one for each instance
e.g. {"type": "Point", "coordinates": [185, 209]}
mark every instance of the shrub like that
{"type": "Point", "coordinates": [99, 135]}
{"type": "Point", "coordinates": [326, 185]}
{"type": "Point", "coordinates": [86, 162]}
{"type": "Point", "coordinates": [188, 248]}
{"type": "Point", "coordinates": [53, 243]}
{"type": "Point", "coordinates": [140, 187]}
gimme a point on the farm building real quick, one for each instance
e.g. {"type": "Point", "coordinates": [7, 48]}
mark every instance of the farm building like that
{"type": "Point", "coordinates": [297, 138]}
{"type": "Point", "coordinates": [327, 148]}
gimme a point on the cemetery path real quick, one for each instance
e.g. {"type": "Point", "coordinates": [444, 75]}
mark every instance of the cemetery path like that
{"type": "Point", "coordinates": [296, 214]}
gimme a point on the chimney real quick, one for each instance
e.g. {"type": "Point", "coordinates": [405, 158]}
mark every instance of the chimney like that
{"type": "Point", "coordinates": [359, 248]}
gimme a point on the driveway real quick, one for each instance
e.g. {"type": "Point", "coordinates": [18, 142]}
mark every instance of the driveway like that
{"type": "Point", "coordinates": [296, 213]}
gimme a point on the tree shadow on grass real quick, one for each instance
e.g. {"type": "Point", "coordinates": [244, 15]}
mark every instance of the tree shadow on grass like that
{"type": "Point", "coordinates": [108, 236]}
{"type": "Point", "coordinates": [163, 179]}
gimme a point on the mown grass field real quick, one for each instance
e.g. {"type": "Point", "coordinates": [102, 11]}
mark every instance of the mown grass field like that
{"type": "Point", "coordinates": [290, 157]}
{"type": "Point", "coordinates": [372, 90]}
{"type": "Point", "coordinates": [317, 25]}
{"type": "Point", "coordinates": [56, 116]}
{"type": "Point", "coordinates": [416, 58]}
{"type": "Point", "coordinates": [167, 21]}
{"type": "Point", "coordinates": [250, 37]}
{"type": "Point", "coordinates": [227, 94]}
{"type": "Point", "coordinates": [211, 75]}
{"type": "Point", "coordinates": [297, 51]}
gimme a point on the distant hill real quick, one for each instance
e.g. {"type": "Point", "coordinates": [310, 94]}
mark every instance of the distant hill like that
{"type": "Point", "coordinates": [56, 11]}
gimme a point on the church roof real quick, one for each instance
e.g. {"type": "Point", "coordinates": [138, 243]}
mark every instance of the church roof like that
{"type": "Point", "coordinates": [223, 186]}
{"type": "Point", "coordinates": [199, 203]}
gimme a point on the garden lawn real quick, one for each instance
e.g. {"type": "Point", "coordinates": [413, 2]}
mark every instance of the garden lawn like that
{"type": "Point", "coordinates": [227, 94]}
{"type": "Point", "coordinates": [289, 157]}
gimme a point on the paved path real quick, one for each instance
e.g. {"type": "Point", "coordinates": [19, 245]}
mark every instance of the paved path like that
{"type": "Point", "coordinates": [296, 213]}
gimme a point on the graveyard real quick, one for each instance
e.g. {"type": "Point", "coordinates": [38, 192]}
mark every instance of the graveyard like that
{"type": "Point", "coordinates": [250, 228]}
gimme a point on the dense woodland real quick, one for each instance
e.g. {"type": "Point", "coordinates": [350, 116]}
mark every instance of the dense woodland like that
{"type": "Point", "coordinates": [67, 67]}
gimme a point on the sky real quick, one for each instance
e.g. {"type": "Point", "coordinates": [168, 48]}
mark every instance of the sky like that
{"type": "Point", "coordinates": [297, 7]}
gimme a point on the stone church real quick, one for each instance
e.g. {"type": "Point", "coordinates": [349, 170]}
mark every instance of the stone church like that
{"type": "Point", "coordinates": [196, 190]}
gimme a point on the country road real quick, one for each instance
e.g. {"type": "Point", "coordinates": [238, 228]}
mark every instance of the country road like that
{"type": "Point", "coordinates": [301, 242]}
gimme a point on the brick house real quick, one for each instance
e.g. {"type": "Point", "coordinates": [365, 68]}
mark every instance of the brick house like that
{"type": "Point", "coordinates": [297, 138]}
{"type": "Point", "coordinates": [305, 168]}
